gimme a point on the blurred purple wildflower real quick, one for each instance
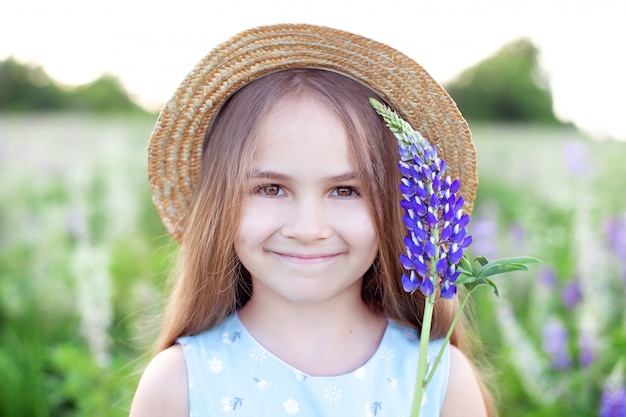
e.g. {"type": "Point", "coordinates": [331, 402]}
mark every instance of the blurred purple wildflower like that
{"type": "Point", "coordinates": [616, 235]}
{"type": "Point", "coordinates": [576, 157]}
{"type": "Point", "coordinates": [571, 294]}
{"type": "Point", "coordinates": [586, 349]}
{"type": "Point", "coordinates": [547, 277]}
{"type": "Point", "coordinates": [517, 232]}
{"type": "Point", "coordinates": [555, 338]}
{"type": "Point", "coordinates": [615, 230]}
{"type": "Point", "coordinates": [485, 231]}
{"type": "Point", "coordinates": [613, 401]}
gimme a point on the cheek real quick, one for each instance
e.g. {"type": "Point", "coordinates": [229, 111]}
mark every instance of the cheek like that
{"type": "Point", "coordinates": [358, 226]}
{"type": "Point", "coordinates": [255, 224]}
{"type": "Point", "coordinates": [248, 228]}
{"type": "Point", "coordinates": [370, 240]}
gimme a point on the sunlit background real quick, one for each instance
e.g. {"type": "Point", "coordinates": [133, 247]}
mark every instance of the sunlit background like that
{"type": "Point", "coordinates": [84, 256]}
{"type": "Point", "coordinates": [152, 45]}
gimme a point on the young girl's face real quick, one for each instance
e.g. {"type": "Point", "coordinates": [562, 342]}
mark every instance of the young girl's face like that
{"type": "Point", "coordinates": [306, 233]}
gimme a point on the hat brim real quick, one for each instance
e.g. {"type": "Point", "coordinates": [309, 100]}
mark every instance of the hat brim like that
{"type": "Point", "coordinates": [175, 149]}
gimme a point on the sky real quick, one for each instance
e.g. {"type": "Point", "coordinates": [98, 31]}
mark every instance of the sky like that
{"type": "Point", "coordinates": [152, 45]}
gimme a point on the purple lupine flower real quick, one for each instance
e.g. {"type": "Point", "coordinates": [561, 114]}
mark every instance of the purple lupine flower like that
{"type": "Point", "coordinates": [571, 294]}
{"type": "Point", "coordinates": [517, 232]}
{"type": "Point", "coordinates": [485, 231]}
{"type": "Point", "coordinates": [547, 277]}
{"type": "Point", "coordinates": [555, 339]}
{"type": "Point", "coordinates": [586, 349]}
{"type": "Point", "coordinates": [576, 157]}
{"type": "Point", "coordinates": [433, 213]}
{"type": "Point", "coordinates": [615, 229]}
{"type": "Point", "coordinates": [437, 233]}
{"type": "Point", "coordinates": [613, 401]}
{"type": "Point", "coordinates": [616, 235]}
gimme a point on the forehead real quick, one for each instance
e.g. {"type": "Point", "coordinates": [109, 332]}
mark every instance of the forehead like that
{"type": "Point", "coordinates": [298, 133]}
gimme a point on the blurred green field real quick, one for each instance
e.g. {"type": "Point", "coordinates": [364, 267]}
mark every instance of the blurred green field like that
{"type": "Point", "coordinates": [83, 259]}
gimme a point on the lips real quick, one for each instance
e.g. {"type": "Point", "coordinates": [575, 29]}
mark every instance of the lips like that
{"type": "Point", "coordinates": [306, 259]}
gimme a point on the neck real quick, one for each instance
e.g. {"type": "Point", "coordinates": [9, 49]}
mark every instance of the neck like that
{"type": "Point", "coordinates": [318, 339]}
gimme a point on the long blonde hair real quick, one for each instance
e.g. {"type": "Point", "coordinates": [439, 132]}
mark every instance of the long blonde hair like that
{"type": "Point", "coordinates": [209, 282]}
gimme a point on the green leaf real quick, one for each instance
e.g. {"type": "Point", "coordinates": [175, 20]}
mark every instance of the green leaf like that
{"type": "Point", "coordinates": [472, 277]}
{"type": "Point", "coordinates": [497, 269]}
{"type": "Point", "coordinates": [494, 286]}
{"type": "Point", "coordinates": [517, 260]}
{"type": "Point", "coordinates": [465, 265]}
{"type": "Point", "coordinates": [479, 281]}
{"type": "Point", "coordinates": [465, 279]}
{"type": "Point", "coordinates": [502, 266]}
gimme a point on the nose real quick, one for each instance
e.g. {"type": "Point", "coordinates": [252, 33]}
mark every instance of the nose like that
{"type": "Point", "coordinates": [307, 221]}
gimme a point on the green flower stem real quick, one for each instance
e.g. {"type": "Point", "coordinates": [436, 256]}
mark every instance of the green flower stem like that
{"type": "Point", "coordinates": [429, 305]}
{"type": "Point", "coordinates": [448, 336]}
{"type": "Point", "coordinates": [422, 362]}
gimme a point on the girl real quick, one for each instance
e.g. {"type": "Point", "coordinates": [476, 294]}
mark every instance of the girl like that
{"type": "Point", "coordinates": [280, 182]}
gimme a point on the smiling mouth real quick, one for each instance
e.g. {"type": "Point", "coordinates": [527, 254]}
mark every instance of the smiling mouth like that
{"type": "Point", "coordinates": [308, 259]}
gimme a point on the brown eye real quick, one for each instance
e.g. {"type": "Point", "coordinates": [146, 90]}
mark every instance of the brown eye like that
{"type": "Point", "coordinates": [270, 190]}
{"type": "Point", "coordinates": [345, 192]}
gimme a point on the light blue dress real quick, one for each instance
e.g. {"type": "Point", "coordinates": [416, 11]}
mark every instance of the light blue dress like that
{"type": "Point", "coordinates": [231, 374]}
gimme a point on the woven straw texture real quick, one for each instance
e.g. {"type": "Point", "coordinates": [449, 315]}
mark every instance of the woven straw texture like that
{"type": "Point", "coordinates": [175, 149]}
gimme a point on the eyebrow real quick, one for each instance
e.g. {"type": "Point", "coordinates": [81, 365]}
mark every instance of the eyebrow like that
{"type": "Point", "coordinates": [272, 175]}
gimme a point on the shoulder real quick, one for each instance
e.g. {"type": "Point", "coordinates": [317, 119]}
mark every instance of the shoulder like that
{"type": "Point", "coordinates": [163, 388]}
{"type": "Point", "coordinates": [463, 394]}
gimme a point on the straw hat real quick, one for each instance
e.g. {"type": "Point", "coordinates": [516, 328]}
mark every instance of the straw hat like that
{"type": "Point", "coordinates": [175, 150]}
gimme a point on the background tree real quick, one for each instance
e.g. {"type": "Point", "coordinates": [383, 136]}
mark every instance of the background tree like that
{"type": "Point", "coordinates": [509, 86]}
{"type": "Point", "coordinates": [106, 94]}
{"type": "Point", "coordinates": [26, 88]}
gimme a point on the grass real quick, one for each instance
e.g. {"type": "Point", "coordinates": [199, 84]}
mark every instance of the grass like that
{"type": "Point", "coordinates": [84, 256]}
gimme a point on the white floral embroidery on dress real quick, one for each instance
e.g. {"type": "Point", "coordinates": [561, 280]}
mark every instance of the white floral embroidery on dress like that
{"type": "Point", "coordinates": [291, 406]}
{"type": "Point", "coordinates": [299, 375]}
{"type": "Point", "coordinates": [230, 404]}
{"type": "Point", "coordinates": [393, 382]}
{"type": "Point", "coordinates": [386, 353]}
{"type": "Point", "coordinates": [258, 354]}
{"type": "Point", "coordinates": [372, 409]}
{"type": "Point", "coordinates": [360, 373]}
{"type": "Point", "coordinates": [228, 338]}
{"type": "Point", "coordinates": [226, 405]}
{"type": "Point", "coordinates": [333, 394]}
{"type": "Point", "coordinates": [215, 365]}
{"type": "Point", "coordinates": [261, 384]}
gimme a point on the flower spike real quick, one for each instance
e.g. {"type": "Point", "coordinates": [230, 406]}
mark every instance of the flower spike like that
{"type": "Point", "coordinates": [436, 236]}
